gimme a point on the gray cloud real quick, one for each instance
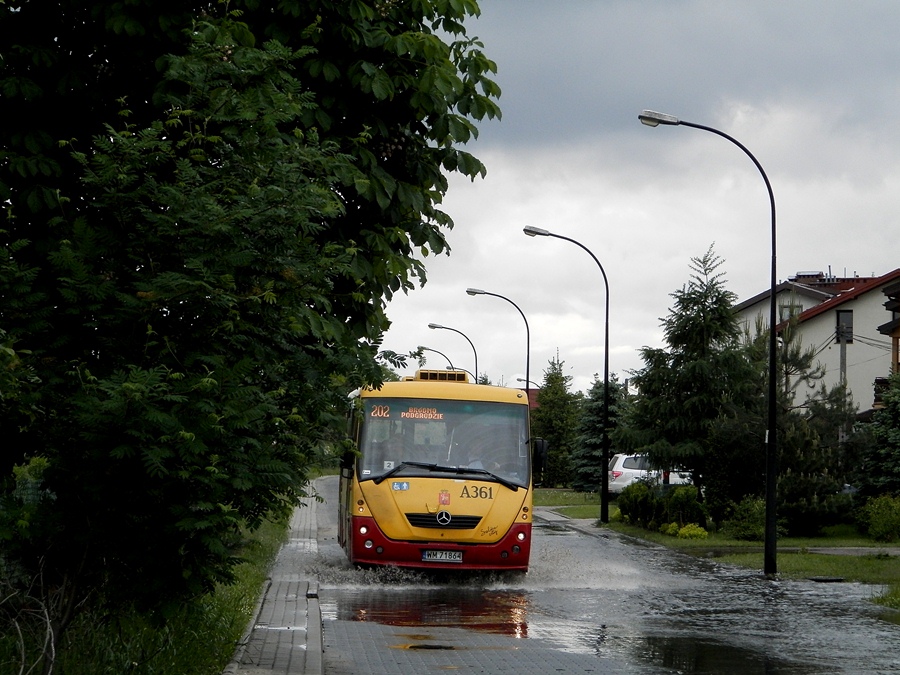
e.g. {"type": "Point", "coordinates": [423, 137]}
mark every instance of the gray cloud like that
{"type": "Point", "coordinates": [811, 88]}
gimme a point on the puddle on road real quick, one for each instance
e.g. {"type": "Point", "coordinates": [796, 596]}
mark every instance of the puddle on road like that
{"type": "Point", "coordinates": [498, 612]}
{"type": "Point", "coordinates": [507, 613]}
{"type": "Point", "coordinates": [691, 656]}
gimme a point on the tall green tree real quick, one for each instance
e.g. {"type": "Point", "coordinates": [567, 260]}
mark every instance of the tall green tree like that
{"type": "Point", "coordinates": [817, 446]}
{"type": "Point", "coordinates": [700, 377]}
{"type": "Point", "coordinates": [555, 420]}
{"type": "Point", "coordinates": [587, 462]}
{"type": "Point", "coordinates": [207, 209]}
{"type": "Point", "coordinates": [878, 472]}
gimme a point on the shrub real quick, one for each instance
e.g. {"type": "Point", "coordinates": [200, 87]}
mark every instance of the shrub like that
{"type": "Point", "coordinates": [692, 531]}
{"type": "Point", "coordinates": [882, 518]}
{"type": "Point", "coordinates": [670, 529]}
{"type": "Point", "coordinates": [806, 516]}
{"type": "Point", "coordinates": [680, 505]}
{"type": "Point", "coordinates": [647, 506]}
{"type": "Point", "coordinates": [637, 504]}
{"type": "Point", "coordinates": [748, 521]}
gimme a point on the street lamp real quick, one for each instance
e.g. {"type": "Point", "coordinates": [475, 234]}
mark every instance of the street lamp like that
{"type": "Point", "coordinates": [522, 379]}
{"type": "Point", "coordinates": [478, 291]}
{"type": "Point", "coordinates": [437, 326]}
{"type": "Point", "coordinates": [428, 349]}
{"type": "Point", "coordinates": [604, 483]}
{"type": "Point", "coordinates": [652, 119]}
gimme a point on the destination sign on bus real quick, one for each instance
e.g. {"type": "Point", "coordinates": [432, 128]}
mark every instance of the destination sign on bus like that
{"type": "Point", "coordinates": [422, 414]}
{"type": "Point", "coordinates": [413, 413]}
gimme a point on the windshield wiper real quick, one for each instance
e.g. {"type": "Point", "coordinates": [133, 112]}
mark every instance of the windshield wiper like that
{"type": "Point", "coordinates": [421, 465]}
{"type": "Point", "coordinates": [446, 469]}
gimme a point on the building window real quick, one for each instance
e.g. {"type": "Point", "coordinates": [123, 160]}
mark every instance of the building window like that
{"type": "Point", "coordinates": [789, 310]}
{"type": "Point", "coordinates": [844, 330]}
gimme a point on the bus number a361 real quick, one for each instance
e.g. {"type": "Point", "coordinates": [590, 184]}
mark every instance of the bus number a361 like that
{"type": "Point", "coordinates": [477, 492]}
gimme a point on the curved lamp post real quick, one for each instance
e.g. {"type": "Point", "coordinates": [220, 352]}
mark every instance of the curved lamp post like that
{"type": "Point", "coordinates": [478, 291]}
{"type": "Point", "coordinates": [604, 483]}
{"type": "Point", "coordinates": [522, 379]}
{"type": "Point", "coordinates": [437, 326]}
{"type": "Point", "coordinates": [652, 119]}
{"type": "Point", "coordinates": [429, 349]}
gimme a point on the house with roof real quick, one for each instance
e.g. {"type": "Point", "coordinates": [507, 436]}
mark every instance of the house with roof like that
{"type": "Point", "coordinates": [891, 330]}
{"type": "Point", "coordinates": [794, 296]}
{"type": "Point", "coordinates": [842, 319]}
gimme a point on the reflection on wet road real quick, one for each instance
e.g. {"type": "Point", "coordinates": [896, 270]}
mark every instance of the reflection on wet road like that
{"type": "Point", "coordinates": [610, 598]}
{"type": "Point", "coordinates": [499, 612]}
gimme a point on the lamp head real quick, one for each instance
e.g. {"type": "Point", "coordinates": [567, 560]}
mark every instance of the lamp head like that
{"type": "Point", "coordinates": [653, 119]}
{"type": "Point", "coordinates": [435, 325]}
{"type": "Point", "coordinates": [474, 291]}
{"type": "Point", "coordinates": [535, 231]}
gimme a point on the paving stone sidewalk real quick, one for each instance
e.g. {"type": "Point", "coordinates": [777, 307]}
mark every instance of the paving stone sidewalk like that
{"type": "Point", "coordinates": [285, 637]}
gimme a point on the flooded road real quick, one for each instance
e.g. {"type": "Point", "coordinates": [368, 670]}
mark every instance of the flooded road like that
{"type": "Point", "coordinates": [601, 599]}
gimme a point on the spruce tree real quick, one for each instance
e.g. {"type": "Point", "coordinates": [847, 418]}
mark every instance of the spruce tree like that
{"type": "Point", "coordinates": [587, 457]}
{"type": "Point", "coordinates": [700, 376]}
{"type": "Point", "coordinates": [555, 421]}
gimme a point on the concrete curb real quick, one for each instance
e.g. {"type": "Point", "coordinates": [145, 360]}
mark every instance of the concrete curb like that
{"type": "Point", "coordinates": [315, 650]}
{"type": "Point", "coordinates": [234, 665]}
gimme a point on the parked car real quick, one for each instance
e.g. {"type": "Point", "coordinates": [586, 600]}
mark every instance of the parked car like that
{"type": "Point", "coordinates": [625, 469]}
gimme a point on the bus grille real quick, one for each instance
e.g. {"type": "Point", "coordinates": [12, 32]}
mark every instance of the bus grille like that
{"type": "Point", "coordinates": [430, 520]}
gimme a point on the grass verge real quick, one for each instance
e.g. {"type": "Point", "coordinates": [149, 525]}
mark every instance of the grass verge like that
{"type": "Point", "coordinates": [563, 497]}
{"type": "Point", "coordinates": [876, 568]}
{"type": "Point", "coordinates": [199, 640]}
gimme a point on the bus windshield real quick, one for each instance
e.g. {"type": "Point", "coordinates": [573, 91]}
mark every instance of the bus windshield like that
{"type": "Point", "coordinates": [409, 435]}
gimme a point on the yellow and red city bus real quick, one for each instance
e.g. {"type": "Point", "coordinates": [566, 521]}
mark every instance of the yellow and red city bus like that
{"type": "Point", "coordinates": [443, 477]}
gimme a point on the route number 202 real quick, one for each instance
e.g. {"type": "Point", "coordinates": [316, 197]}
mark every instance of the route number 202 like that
{"type": "Point", "coordinates": [477, 492]}
{"type": "Point", "coordinates": [381, 411]}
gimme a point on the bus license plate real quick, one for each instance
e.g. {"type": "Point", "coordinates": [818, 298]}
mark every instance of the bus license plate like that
{"type": "Point", "coordinates": [442, 556]}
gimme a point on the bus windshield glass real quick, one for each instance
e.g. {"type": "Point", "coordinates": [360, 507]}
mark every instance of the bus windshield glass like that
{"type": "Point", "coordinates": [444, 435]}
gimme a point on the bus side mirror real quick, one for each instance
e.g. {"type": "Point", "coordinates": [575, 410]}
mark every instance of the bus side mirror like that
{"type": "Point", "coordinates": [539, 455]}
{"type": "Point", "coordinates": [347, 460]}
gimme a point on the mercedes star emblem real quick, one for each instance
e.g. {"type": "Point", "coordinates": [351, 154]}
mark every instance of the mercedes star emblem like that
{"type": "Point", "coordinates": [444, 518]}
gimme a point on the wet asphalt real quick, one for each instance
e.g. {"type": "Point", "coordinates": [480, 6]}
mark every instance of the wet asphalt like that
{"type": "Point", "coordinates": [300, 629]}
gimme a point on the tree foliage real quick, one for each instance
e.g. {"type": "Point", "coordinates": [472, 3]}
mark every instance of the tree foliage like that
{"type": "Point", "coordinates": [555, 420]}
{"type": "Point", "coordinates": [701, 405]}
{"type": "Point", "coordinates": [879, 466]}
{"type": "Point", "coordinates": [206, 210]}
{"type": "Point", "coordinates": [816, 443]}
{"type": "Point", "coordinates": [587, 461]}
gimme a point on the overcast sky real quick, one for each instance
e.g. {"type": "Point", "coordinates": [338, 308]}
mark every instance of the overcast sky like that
{"type": "Point", "coordinates": [811, 88]}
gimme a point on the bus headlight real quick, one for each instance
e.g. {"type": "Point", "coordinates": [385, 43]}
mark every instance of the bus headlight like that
{"type": "Point", "coordinates": [520, 536]}
{"type": "Point", "coordinates": [368, 543]}
{"type": "Point", "coordinates": [363, 530]}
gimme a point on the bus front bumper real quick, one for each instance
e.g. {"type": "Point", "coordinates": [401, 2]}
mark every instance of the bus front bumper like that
{"type": "Point", "coordinates": [370, 546]}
